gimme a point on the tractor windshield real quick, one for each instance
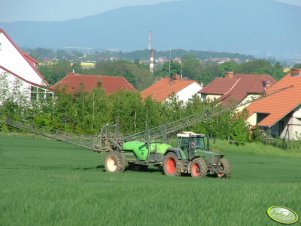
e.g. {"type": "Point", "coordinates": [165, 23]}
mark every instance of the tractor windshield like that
{"type": "Point", "coordinates": [198, 142]}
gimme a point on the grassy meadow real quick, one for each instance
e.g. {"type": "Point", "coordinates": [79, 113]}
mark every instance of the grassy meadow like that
{"type": "Point", "coordinates": [45, 182]}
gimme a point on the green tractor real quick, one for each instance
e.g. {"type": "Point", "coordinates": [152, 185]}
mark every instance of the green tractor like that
{"type": "Point", "coordinates": [191, 156]}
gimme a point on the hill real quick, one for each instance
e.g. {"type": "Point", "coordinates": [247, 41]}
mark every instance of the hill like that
{"type": "Point", "coordinates": [251, 26]}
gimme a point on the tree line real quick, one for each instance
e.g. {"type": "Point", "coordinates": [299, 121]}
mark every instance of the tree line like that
{"type": "Point", "coordinates": [87, 113]}
{"type": "Point", "coordinates": [94, 55]}
{"type": "Point", "coordinates": [140, 77]}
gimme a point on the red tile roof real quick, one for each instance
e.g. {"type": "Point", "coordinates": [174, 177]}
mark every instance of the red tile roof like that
{"type": "Point", "coordinates": [111, 84]}
{"type": "Point", "coordinates": [165, 87]}
{"type": "Point", "coordinates": [219, 86]}
{"type": "Point", "coordinates": [281, 99]}
{"type": "Point", "coordinates": [237, 88]}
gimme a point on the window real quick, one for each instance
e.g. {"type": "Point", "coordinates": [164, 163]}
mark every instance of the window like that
{"type": "Point", "coordinates": [40, 94]}
{"type": "Point", "coordinates": [260, 117]}
{"type": "Point", "coordinates": [34, 93]}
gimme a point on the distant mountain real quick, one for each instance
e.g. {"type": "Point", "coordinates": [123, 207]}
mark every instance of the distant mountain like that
{"type": "Point", "coordinates": [244, 26]}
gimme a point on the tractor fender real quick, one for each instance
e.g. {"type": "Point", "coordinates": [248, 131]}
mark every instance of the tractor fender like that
{"type": "Point", "coordinates": [177, 152]}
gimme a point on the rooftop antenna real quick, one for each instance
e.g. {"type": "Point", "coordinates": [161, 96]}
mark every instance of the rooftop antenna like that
{"type": "Point", "coordinates": [151, 57]}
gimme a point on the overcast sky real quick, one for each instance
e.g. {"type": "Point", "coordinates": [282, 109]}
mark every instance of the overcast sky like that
{"type": "Point", "coordinates": [56, 10]}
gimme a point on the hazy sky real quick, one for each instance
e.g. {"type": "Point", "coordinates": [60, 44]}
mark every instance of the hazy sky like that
{"type": "Point", "coordinates": [54, 10]}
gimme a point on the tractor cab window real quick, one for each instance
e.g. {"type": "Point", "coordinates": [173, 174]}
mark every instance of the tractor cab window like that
{"type": "Point", "coordinates": [183, 142]}
{"type": "Point", "coordinates": [197, 143]}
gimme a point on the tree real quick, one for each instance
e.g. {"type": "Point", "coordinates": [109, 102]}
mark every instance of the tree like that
{"type": "Point", "coordinates": [127, 111]}
{"type": "Point", "coordinates": [62, 54]}
{"type": "Point", "coordinates": [54, 73]}
{"type": "Point", "coordinates": [239, 132]}
{"type": "Point", "coordinates": [152, 113]}
{"type": "Point", "coordinates": [210, 72]}
{"type": "Point", "coordinates": [192, 68]}
{"type": "Point", "coordinates": [262, 67]}
{"type": "Point", "coordinates": [227, 67]}
{"type": "Point", "coordinates": [170, 68]}
{"type": "Point", "coordinates": [297, 66]}
{"type": "Point", "coordinates": [138, 75]}
{"type": "Point", "coordinates": [42, 53]}
{"type": "Point", "coordinates": [92, 111]}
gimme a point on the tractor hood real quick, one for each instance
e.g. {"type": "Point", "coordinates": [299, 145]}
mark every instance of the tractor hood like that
{"type": "Point", "coordinates": [207, 154]}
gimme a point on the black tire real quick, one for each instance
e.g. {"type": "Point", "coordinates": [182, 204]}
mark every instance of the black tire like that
{"type": "Point", "coordinates": [198, 167]}
{"type": "Point", "coordinates": [171, 165]}
{"type": "Point", "coordinates": [114, 162]}
{"type": "Point", "coordinates": [224, 168]}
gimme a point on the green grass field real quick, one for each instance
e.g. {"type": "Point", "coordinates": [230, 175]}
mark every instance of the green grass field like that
{"type": "Point", "coordinates": [44, 182]}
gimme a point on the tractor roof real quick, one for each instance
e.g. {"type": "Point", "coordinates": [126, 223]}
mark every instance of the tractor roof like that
{"type": "Point", "coordinates": [189, 134]}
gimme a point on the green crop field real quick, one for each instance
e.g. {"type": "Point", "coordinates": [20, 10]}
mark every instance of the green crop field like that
{"type": "Point", "coordinates": [45, 182]}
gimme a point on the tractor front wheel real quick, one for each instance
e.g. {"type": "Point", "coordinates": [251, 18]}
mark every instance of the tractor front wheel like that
{"type": "Point", "coordinates": [198, 167]}
{"type": "Point", "coordinates": [224, 168]}
{"type": "Point", "coordinates": [171, 165]}
{"type": "Point", "coordinates": [114, 162]}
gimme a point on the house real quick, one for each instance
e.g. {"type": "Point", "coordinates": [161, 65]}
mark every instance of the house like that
{"type": "Point", "coordinates": [19, 74]}
{"type": "Point", "coordinates": [279, 112]}
{"type": "Point", "coordinates": [163, 89]}
{"type": "Point", "coordinates": [73, 82]}
{"type": "Point", "coordinates": [236, 89]}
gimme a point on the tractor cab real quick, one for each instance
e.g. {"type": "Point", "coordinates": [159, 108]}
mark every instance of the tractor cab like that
{"type": "Point", "coordinates": [191, 142]}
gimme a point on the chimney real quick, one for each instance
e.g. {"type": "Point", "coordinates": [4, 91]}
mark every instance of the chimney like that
{"type": "Point", "coordinates": [151, 57]}
{"type": "Point", "coordinates": [229, 74]}
{"type": "Point", "coordinates": [151, 61]}
{"type": "Point", "coordinates": [295, 72]}
{"type": "Point", "coordinates": [266, 85]}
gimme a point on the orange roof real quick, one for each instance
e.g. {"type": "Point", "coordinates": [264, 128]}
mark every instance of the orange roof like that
{"type": "Point", "coordinates": [282, 98]}
{"type": "Point", "coordinates": [110, 84]}
{"type": "Point", "coordinates": [165, 87]}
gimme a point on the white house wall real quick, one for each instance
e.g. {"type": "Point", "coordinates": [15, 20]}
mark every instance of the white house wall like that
{"type": "Point", "coordinates": [292, 128]}
{"type": "Point", "coordinates": [252, 120]}
{"type": "Point", "coordinates": [188, 92]}
{"type": "Point", "coordinates": [12, 60]}
{"type": "Point", "coordinates": [210, 97]}
{"type": "Point", "coordinates": [297, 112]}
{"type": "Point", "coordinates": [296, 124]}
{"type": "Point", "coordinates": [247, 101]}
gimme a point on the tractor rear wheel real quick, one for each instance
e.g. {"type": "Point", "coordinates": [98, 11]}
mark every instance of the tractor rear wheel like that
{"type": "Point", "coordinates": [171, 165]}
{"type": "Point", "coordinates": [224, 169]}
{"type": "Point", "coordinates": [114, 162]}
{"type": "Point", "coordinates": [198, 167]}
